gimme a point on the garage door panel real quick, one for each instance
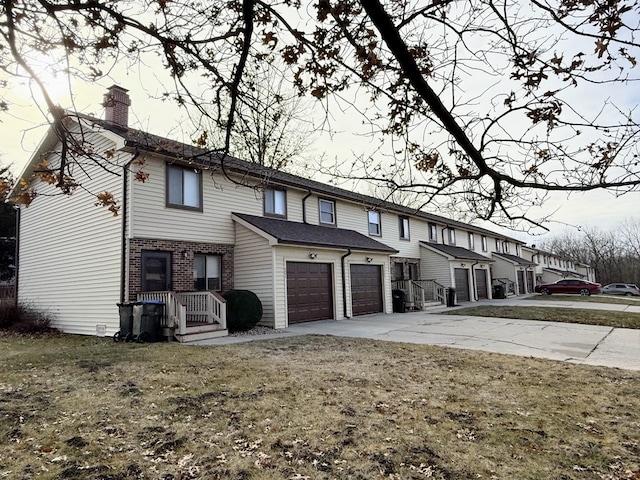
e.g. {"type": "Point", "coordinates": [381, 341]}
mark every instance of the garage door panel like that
{"type": "Point", "coordinates": [366, 289]}
{"type": "Point", "coordinates": [462, 284]}
{"type": "Point", "coordinates": [309, 291]}
{"type": "Point", "coordinates": [481, 284]}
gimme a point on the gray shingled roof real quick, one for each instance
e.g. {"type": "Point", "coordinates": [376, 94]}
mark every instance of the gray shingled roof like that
{"type": "Point", "coordinates": [459, 253]}
{"type": "Point", "coordinates": [295, 233]}
{"type": "Point", "coordinates": [137, 140]}
{"type": "Point", "coordinates": [514, 258]}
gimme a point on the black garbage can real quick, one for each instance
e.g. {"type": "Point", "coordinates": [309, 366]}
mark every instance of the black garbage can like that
{"type": "Point", "coordinates": [126, 311]}
{"type": "Point", "coordinates": [451, 297]}
{"type": "Point", "coordinates": [399, 300]}
{"type": "Point", "coordinates": [498, 291]}
{"type": "Point", "coordinates": [151, 314]}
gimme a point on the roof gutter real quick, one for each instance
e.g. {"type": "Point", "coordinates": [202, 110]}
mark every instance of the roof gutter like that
{"type": "Point", "coordinates": [304, 208]}
{"type": "Point", "coordinates": [344, 285]}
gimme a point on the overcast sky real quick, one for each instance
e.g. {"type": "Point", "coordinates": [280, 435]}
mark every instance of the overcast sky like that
{"type": "Point", "coordinates": [23, 127]}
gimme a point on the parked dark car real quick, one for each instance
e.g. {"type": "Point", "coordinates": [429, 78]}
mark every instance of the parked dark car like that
{"type": "Point", "coordinates": [627, 289]}
{"type": "Point", "coordinates": [569, 285]}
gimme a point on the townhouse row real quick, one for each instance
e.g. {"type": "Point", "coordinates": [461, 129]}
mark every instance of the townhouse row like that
{"type": "Point", "coordinates": [202, 223]}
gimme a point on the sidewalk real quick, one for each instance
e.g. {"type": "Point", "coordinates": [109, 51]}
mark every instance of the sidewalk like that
{"type": "Point", "coordinates": [568, 342]}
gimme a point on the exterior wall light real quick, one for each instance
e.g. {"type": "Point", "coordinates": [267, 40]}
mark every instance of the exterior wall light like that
{"type": "Point", "coordinates": [312, 255]}
{"type": "Point", "coordinates": [369, 259]}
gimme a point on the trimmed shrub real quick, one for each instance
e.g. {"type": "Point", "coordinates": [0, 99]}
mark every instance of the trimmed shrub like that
{"type": "Point", "coordinates": [244, 310]}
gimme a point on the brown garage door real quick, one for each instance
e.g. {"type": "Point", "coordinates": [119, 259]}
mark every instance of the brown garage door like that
{"type": "Point", "coordinates": [462, 284]}
{"type": "Point", "coordinates": [366, 289]}
{"type": "Point", "coordinates": [481, 283]}
{"type": "Point", "coordinates": [520, 282]}
{"type": "Point", "coordinates": [309, 291]}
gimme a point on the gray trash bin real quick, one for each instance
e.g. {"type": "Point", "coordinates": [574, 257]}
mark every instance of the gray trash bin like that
{"type": "Point", "coordinates": [451, 297]}
{"type": "Point", "coordinates": [128, 312]}
{"type": "Point", "coordinates": [399, 301]}
{"type": "Point", "coordinates": [149, 322]}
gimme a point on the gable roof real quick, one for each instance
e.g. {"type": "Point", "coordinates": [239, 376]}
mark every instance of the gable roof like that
{"type": "Point", "coordinates": [295, 233]}
{"type": "Point", "coordinates": [457, 253]}
{"type": "Point", "coordinates": [514, 258]}
{"type": "Point", "coordinates": [137, 140]}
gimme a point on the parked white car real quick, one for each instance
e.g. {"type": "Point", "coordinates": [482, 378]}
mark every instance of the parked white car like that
{"type": "Point", "coordinates": [627, 289]}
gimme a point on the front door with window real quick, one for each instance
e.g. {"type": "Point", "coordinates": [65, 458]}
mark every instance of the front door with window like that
{"type": "Point", "coordinates": [156, 271]}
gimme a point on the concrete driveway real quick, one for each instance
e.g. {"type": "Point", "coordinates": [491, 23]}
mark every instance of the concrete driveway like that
{"type": "Point", "coordinates": [574, 343]}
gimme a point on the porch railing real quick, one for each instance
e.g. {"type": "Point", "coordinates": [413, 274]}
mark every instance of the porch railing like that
{"type": "Point", "coordinates": [421, 291]}
{"type": "Point", "coordinates": [509, 285]}
{"type": "Point", "coordinates": [189, 309]}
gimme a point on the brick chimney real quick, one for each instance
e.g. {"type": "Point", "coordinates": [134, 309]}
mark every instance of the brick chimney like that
{"type": "Point", "coordinates": [116, 103]}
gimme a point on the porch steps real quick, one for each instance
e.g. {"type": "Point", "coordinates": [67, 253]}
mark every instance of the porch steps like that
{"type": "Point", "coordinates": [195, 336]}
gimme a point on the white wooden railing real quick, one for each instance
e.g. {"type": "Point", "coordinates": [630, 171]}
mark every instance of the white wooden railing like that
{"type": "Point", "coordinates": [421, 291]}
{"type": "Point", "coordinates": [439, 292]}
{"type": "Point", "coordinates": [508, 285]}
{"type": "Point", "coordinates": [205, 307]}
{"type": "Point", "coordinates": [188, 309]}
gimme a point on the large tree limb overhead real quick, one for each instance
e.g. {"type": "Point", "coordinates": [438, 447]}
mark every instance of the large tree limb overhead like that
{"type": "Point", "coordinates": [484, 103]}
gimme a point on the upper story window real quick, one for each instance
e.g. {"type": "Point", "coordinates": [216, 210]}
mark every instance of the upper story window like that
{"type": "Point", "coordinates": [206, 272]}
{"type": "Point", "coordinates": [375, 227]}
{"type": "Point", "coordinates": [483, 238]}
{"type": "Point", "coordinates": [433, 232]}
{"type": "Point", "coordinates": [472, 241]}
{"type": "Point", "coordinates": [505, 247]}
{"type": "Point", "coordinates": [404, 228]}
{"type": "Point", "coordinates": [327, 209]}
{"type": "Point", "coordinates": [184, 188]}
{"type": "Point", "coordinates": [451, 233]}
{"type": "Point", "coordinates": [275, 202]}
{"type": "Point", "coordinates": [498, 245]}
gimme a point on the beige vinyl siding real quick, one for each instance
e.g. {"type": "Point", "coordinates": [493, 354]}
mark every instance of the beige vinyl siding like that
{"type": "Point", "coordinates": [150, 218]}
{"type": "Point", "coordinates": [70, 252]}
{"type": "Point", "coordinates": [434, 266]}
{"type": "Point", "coordinates": [253, 259]}
{"type": "Point", "coordinates": [503, 269]}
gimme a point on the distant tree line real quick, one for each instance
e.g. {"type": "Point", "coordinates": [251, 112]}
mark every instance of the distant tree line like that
{"type": "Point", "coordinates": [615, 253]}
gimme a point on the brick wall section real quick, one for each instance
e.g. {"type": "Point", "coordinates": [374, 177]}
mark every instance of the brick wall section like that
{"type": "Point", "coordinates": [181, 268]}
{"type": "Point", "coordinates": [405, 268]}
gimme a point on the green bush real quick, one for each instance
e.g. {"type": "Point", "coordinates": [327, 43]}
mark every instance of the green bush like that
{"type": "Point", "coordinates": [244, 310]}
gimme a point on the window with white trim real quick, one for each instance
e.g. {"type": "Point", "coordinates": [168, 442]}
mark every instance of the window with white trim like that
{"type": "Point", "coordinates": [275, 202]}
{"type": "Point", "coordinates": [404, 228]}
{"type": "Point", "coordinates": [433, 232]}
{"type": "Point", "coordinates": [206, 272]}
{"type": "Point", "coordinates": [472, 241]}
{"type": "Point", "coordinates": [451, 234]}
{"type": "Point", "coordinates": [498, 245]}
{"type": "Point", "coordinates": [375, 227]}
{"type": "Point", "coordinates": [483, 239]}
{"type": "Point", "coordinates": [184, 187]}
{"type": "Point", "coordinates": [327, 209]}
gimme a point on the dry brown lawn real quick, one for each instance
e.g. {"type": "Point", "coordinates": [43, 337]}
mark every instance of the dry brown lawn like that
{"type": "Point", "coordinates": [620, 300]}
{"type": "Point", "coordinates": [308, 408]}
{"type": "Point", "coordinates": [607, 318]}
